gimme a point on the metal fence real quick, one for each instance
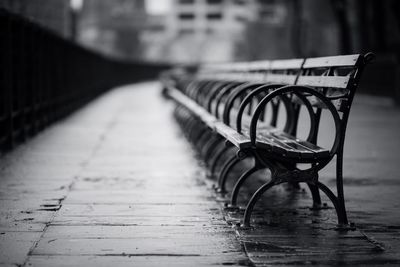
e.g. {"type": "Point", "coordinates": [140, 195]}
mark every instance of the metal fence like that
{"type": "Point", "coordinates": [44, 77]}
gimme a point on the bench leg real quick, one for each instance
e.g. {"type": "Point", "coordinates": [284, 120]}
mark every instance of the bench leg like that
{"type": "Point", "coordinates": [210, 147]}
{"type": "Point", "coordinates": [340, 211]}
{"type": "Point", "coordinates": [256, 196]}
{"type": "Point", "coordinates": [196, 134]}
{"type": "Point", "coordinates": [225, 171]}
{"type": "Point", "coordinates": [217, 158]}
{"type": "Point", "coordinates": [240, 182]}
{"type": "Point", "coordinates": [339, 185]}
{"type": "Point", "coordinates": [196, 131]}
{"type": "Point", "coordinates": [188, 126]}
{"type": "Point", "coordinates": [202, 139]}
{"type": "Point", "coordinates": [315, 195]}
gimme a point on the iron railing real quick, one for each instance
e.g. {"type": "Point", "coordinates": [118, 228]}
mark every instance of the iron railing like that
{"type": "Point", "coordinates": [44, 77]}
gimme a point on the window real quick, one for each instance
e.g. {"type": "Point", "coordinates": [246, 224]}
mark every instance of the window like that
{"type": "Point", "coordinates": [241, 18]}
{"type": "Point", "coordinates": [266, 14]}
{"type": "Point", "coordinates": [185, 31]}
{"type": "Point", "coordinates": [186, 2]}
{"type": "Point", "coordinates": [266, 2]}
{"type": "Point", "coordinates": [186, 16]}
{"type": "Point", "coordinates": [210, 31]}
{"type": "Point", "coordinates": [214, 16]}
{"type": "Point", "coordinates": [214, 2]}
{"type": "Point", "coordinates": [240, 2]}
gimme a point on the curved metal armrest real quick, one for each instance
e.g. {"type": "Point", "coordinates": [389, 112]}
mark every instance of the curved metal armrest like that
{"type": "Point", "coordinates": [247, 100]}
{"type": "Point", "coordinates": [233, 96]}
{"type": "Point", "coordinates": [297, 90]}
{"type": "Point", "coordinates": [221, 94]}
{"type": "Point", "coordinates": [194, 91]}
{"type": "Point", "coordinates": [203, 91]}
{"type": "Point", "coordinates": [209, 99]}
{"type": "Point", "coordinates": [190, 86]}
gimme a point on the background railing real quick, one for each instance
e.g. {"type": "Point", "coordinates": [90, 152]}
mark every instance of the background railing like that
{"type": "Point", "coordinates": [44, 77]}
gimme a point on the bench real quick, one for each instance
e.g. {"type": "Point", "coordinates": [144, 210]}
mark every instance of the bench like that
{"type": "Point", "coordinates": [258, 108]}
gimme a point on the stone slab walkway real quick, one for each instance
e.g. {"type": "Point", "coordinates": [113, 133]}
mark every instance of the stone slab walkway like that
{"type": "Point", "coordinates": [113, 185]}
{"type": "Point", "coordinates": [117, 184]}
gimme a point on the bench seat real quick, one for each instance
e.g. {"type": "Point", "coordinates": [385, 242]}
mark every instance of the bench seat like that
{"type": "Point", "coordinates": [268, 138]}
{"type": "Point", "coordinates": [275, 141]}
{"type": "Point", "coordinates": [191, 105]}
{"type": "Point", "coordinates": [289, 147]}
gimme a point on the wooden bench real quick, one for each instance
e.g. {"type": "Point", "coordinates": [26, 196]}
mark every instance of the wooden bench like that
{"type": "Point", "coordinates": [258, 108]}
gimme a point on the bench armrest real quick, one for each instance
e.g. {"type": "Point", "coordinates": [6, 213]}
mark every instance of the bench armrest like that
{"type": "Point", "coordinates": [248, 99]}
{"type": "Point", "coordinates": [297, 90]}
{"type": "Point", "coordinates": [234, 95]}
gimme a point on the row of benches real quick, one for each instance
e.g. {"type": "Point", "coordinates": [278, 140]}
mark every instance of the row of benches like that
{"type": "Point", "coordinates": [258, 108]}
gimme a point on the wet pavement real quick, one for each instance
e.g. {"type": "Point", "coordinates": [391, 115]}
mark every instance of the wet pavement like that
{"type": "Point", "coordinates": [117, 184]}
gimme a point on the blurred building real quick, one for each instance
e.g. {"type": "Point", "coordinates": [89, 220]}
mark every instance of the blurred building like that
{"type": "Point", "coordinates": [113, 27]}
{"type": "Point", "coordinates": [54, 15]}
{"type": "Point", "coordinates": [206, 30]}
{"type": "Point", "coordinates": [226, 30]}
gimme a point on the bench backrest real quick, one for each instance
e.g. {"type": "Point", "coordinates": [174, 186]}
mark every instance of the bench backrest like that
{"type": "Point", "coordinates": [227, 90]}
{"type": "Point", "coordinates": [338, 72]}
{"type": "Point", "coordinates": [336, 77]}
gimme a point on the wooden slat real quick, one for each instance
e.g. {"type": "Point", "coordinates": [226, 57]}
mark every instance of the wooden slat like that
{"type": "Point", "coordinates": [240, 66]}
{"type": "Point", "coordinates": [286, 64]}
{"type": "Point", "coordinates": [306, 150]}
{"type": "Point", "coordinates": [266, 141]}
{"type": "Point", "coordinates": [254, 77]}
{"type": "Point", "coordinates": [223, 76]}
{"type": "Point", "coordinates": [260, 65]}
{"type": "Point", "coordinates": [192, 106]}
{"type": "Point", "coordinates": [215, 66]}
{"type": "Point", "coordinates": [336, 61]}
{"type": "Point", "coordinates": [303, 151]}
{"type": "Point", "coordinates": [274, 140]}
{"type": "Point", "coordinates": [324, 81]}
{"type": "Point", "coordinates": [240, 76]}
{"type": "Point", "coordinates": [308, 145]}
{"type": "Point", "coordinates": [280, 78]}
{"type": "Point", "coordinates": [340, 104]}
{"type": "Point", "coordinates": [239, 140]}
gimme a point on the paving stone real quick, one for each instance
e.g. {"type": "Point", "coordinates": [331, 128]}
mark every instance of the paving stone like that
{"type": "Point", "coordinates": [136, 220]}
{"type": "Point", "coordinates": [230, 259]}
{"type": "Point", "coordinates": [127, 232]}
{"type": "Point", "coordinates": [138, 197]}
{"type": "Point", "coordinates": [176, 245]}
{"type": "Point", "coordinates": [15, 246]}
{"type": "Point", "coordinates": [21, 226]}
{"type": "Point", "coordinates": [139, 210]}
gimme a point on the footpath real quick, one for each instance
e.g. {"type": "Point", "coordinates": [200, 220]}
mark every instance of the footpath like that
{"type": "Point", "coordinates": [117, 184]}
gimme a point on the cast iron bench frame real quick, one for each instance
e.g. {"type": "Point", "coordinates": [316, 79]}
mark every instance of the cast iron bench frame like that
{"type": "Point", "coordinates": [226, 103]}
